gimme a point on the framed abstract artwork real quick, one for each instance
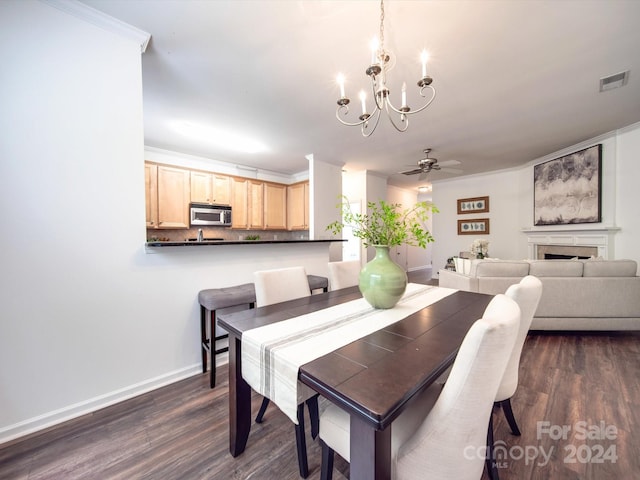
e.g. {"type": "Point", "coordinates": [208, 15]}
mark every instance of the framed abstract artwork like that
{"type": "Point", "coordinates": [567, 190]}
{"type": "Point", "coordinates": [478, 226]}
{"type": "Point", "coordinates": [473, 205]}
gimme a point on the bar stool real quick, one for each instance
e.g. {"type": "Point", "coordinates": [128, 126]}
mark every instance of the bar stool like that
{"type": "Point", "coordinates": [317, 282]}
{"type": "Point", "coordinates": [214, 299]}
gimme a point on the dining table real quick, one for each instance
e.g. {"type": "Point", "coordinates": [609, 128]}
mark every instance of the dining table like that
{"type": "Point", "coordinates": [372, 377]}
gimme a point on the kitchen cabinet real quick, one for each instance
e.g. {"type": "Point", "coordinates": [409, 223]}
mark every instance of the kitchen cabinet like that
{"type": "Point", "coordinates": [173, 187]}
{"type": "Point", "coordinates": [256, 205]}
{"type": "Point", "coordinates": [166, 196]}
{"type": "Point", "coordinates": [210, 188]}
{"type": "Point", "coordinates": [201, 187]}
{"type": "Point", "coordinates": [298, 206]}
{"type": "Point", "coordinates": [221, 189]}
{"type": "Point", "coordinates": [275, 206]}
{"type": "Point", "coordinates": [239, 202]}
{"type": "Point", "coordinates": [151, 194]}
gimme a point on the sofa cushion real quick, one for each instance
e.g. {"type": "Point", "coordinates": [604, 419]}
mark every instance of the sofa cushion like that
{"type": "Point", "coordinates": [555, 268]}
{"type": "Point", "coordinates": [610, 268]}
{"type": "Point", "coordinates": [589, 297]}
{"type": "Point", "coordinates": [499, 268]}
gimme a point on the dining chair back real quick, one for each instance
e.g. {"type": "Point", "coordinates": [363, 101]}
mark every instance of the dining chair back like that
{"type": "Point", "coordinates": [438, 429]}
{"type": "Point", "coordinates": [280, 284]}
{"type": "Point", "coordinates": [527, 295]}
{"type": "Point", "coordinates": [275, 286]}
{"type": "Point", "coordinates": [344, 274]}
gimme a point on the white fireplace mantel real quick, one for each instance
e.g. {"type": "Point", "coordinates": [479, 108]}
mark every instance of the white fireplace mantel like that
{"type": "Point", "coordinates": [584, 235]}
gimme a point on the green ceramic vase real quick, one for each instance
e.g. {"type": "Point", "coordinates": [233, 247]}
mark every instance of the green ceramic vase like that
{"type": "Point", "coordinates": [382, 281]}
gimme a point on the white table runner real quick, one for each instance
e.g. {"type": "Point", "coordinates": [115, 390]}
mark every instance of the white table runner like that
{"type": "Point", "coordinates": [273, 354]}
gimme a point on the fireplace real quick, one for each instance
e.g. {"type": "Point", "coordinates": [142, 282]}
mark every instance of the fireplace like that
{"type": "Point", "coordinates": [561, 252]}
{"type": "Point", "coordinates": [571, 242]}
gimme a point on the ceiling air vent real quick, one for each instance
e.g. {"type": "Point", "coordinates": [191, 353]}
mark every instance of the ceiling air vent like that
{"type": "Point", "coordinates": [614, 81]}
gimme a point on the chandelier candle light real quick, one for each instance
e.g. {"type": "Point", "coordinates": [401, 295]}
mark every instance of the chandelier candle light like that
{"type": "Point", "coordinates": [377, 72]}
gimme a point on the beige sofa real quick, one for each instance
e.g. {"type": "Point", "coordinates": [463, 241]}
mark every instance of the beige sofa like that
{"type": "Point", "coordinates": [577, 294]}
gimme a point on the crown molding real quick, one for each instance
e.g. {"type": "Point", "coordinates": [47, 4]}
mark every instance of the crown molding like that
{"type": "Point", "coordinates": [102, 20]}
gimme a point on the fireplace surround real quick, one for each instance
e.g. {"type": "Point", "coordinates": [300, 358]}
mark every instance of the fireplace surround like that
{"type": "Point", "coordinates": [553, 252]}
{"type": "Point", "coordinates": [571, 242]}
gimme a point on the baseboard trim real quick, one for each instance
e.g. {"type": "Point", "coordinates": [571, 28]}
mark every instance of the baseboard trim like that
{"type": "Point", "coordinates": [42, 422]}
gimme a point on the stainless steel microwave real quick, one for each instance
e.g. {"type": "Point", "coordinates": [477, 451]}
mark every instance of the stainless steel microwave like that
{"type": "Point", "coordinates": [205, 214]}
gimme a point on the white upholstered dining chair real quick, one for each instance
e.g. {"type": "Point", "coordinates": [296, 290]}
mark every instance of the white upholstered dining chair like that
{"type": "Point", "coordinates": [344, 274]}
{"type": "Point", "coordinates": [280, 284]}
{"type": "Point", "coordinates": [441, 430]}
{"type": "Point", "coordinates": [527, 295]}
{"type": "Point", "coordinates": [275, 286]}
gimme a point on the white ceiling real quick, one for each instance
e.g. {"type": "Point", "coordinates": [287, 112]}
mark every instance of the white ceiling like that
{"type": "Point", "coordinates": [516, 80]}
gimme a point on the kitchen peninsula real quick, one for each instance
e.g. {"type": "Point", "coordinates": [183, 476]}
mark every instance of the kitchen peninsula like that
{"type": "Point", "coordinates": [217, 264]}
{"type": "Point", "coordinates": [232, 262]}
{"type": "Point", "coordinates": [191, 243]}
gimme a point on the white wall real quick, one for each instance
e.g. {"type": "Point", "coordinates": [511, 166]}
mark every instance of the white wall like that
{"type": "Point", "coordinates": [502, 189]}
{"type": "Point", "coordinates": [511, 201]}
{"type": "Point", "coordinates": [88, 319]}
{"type": "Point", "coordinates": [628, 193]}
{"type": "Point", "coordinates": [410, 258]}
{"type": "Point", "coordinates": [74, 303]}
{"type": "Point", "coordinates": [354, 187]}
{"type": "Point", "coordinates": [325, 183]}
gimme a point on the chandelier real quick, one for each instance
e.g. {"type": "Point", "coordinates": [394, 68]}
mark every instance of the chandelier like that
{"type": "Point", "coordinates": [377, 72]}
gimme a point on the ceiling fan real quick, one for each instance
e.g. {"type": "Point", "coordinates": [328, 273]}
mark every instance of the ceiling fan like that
{"type": "Point", "coordinates": [427, 164]}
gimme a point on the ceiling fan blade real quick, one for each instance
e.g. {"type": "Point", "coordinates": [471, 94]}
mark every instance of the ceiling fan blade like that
{"type": "Point", "coordinates": [412, 172]}
{"type": "Point", "coordinates": [449, 163]}
{"type": "Point", "coordinates": [423, 176]}
{"type": "Point", "coordinates": [451, 170]}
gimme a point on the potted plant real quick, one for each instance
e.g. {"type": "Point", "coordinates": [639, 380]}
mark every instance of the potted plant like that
{"type": "Point", "coordinates": [480, 248]}
{"type": "Point", "coordinates": [385, 225]}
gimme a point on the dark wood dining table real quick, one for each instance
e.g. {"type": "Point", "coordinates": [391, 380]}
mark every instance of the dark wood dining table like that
{"type": "Point", "coordinates": [372, 378]}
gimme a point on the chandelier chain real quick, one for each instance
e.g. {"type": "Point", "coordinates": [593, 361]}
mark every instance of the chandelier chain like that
{"type": "Point", "coordinates": [377, 72]}
{"type": "Point", "coordinates": [382, 27]}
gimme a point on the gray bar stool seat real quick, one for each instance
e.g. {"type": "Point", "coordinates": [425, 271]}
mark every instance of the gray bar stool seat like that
{"type": "Point", "coordinates": [214, 299]}
{"type": "Point", "coordinates": [317, 282]}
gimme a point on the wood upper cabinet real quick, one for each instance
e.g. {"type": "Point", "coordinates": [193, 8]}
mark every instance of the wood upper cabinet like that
{"type": "Point", "coordinates": [221, 189]}
{"type": "Point", "coordinates": [173, 197]}
{"type": "Point", "coordinates": [201, 187]}
{"type": "Point", "coordinates": [210, 188]}
{"type": "Point", "coordinates": [298, 206]}
{"type": "Point", "coordinates": [256, 204]}
{"type": "Point", "coordinates": [275, 206]}
{"type": "Point", "coordinates": [239, 202]}
{"type": "Point", "coordinates": [151, 194]}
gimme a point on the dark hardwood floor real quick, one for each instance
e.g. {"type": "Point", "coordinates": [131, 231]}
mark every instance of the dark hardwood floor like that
{"type": "Point", "coordinates": [180, 431]}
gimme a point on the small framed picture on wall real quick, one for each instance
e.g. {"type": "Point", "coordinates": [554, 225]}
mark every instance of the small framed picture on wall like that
{"type": "Point", "coordinates": [478, 226]}
{"type": "Point", "coordinates": [473, 205]}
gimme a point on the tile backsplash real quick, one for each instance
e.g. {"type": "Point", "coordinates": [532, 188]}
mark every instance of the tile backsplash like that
{"type": "Point", "coordinates": [182, 235]}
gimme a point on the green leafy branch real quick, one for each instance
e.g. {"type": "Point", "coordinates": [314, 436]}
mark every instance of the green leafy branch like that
{"type": "Point", "coordinates": [386, 224]}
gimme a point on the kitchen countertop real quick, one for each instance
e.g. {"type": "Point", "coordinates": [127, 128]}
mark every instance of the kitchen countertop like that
{"type": "Point", "coordinates": [235, 242]}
